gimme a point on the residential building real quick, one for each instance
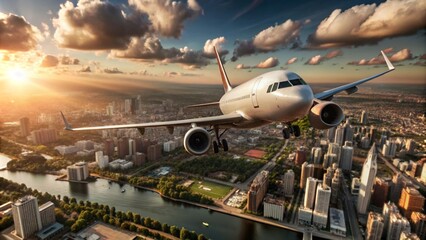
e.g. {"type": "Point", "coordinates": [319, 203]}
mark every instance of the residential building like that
{"type": "Point", "coordinates": [78, 171]}
{"type": "Point", "coordinates": [375, 225]}
{"type": "Point", "coordinates": [388, 209]}
{"type": "Point", "coordinates": [25, 126]}
{"type": "Point", "coordinates": [288, 183]}
{"type": "Point", "coordinates": [26, 217]}
{"type": "Point", "coordinates": [257, 191]}
{"type": "Point", "coordinates": [380, 195]}
{"type": "Point", "coordinates": [411, 201]}
{"type": "Point", "coordinates": [322, 203]}
{"type": "Point", "coordinates": [311, 186]}
{"type": "Point", "coordinates": [273, 208]}
{"type": "Point", "coordinates": [301, 155]}
{"type": "Point", "coordinates": [47, 214]}
{"type": "Point", "coordinates": [346, 156]}
{"type": "Point", "coordinates": [307, 171]}
{"type": "Point", "coordinates": [43, 136]}
{"type": "Point", "coordinates": [397, 225]}
{"type": "Point", "coordinates": [418, 224]}
{"type": "Point", "coordinates": [335, 185]}
{"type": "Point", "coordinates": [154, 152]}
{"type": "Point", "coordinates": [408, 236]}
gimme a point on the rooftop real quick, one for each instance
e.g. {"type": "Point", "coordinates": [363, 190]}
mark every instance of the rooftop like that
{"type": "Point", "coordinates": [337, 219]}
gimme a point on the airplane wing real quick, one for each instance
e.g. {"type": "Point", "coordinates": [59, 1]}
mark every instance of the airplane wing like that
{"type": "Point", "coordinates": [352, 87]}
{"type": "Point", "coordinates": [203, 121]}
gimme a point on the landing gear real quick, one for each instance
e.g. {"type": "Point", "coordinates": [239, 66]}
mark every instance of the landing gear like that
{"type": "Point", "coordinates": [291, 129]}
{"type": "Point", "coordinates": [218, 143]}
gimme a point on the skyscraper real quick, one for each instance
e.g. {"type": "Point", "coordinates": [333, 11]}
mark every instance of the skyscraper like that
{"type": "Point", "coordinates": [363, 119]}
{"type": "Point", "coordinates": [311, 185]}
{"type": "Point", "coordinates": [340, 135]}
{"type": "Point", "coordinates": [288, 183]}
{"type": "Point", "coordinates": [25, 126]}
{"type": "Point", "coordinates": [26, 216]}
{"type": "Point", "coordinates": [375, 226]}
{"type": "Point", "coordinates": [328, 177]}
{"type": "Point", "coordinates": [368, 174]}
{"type": "Point", "coordinates": [300, 157]}
{"type": "Point", "coordinates": [418, 221]}
{"type": "Point", "coordinates": [346, 156]}
{"type": "Point", "coordinates": [257, 191]}
{"type": "Point", "coordinates": [411, 201]}
{"type": "Point", "coordinates": [322, 203]}
{"type": "Point", "coordinates": [334, 148]}
{"type": "Point", "coordinates": [316, 155]}
{"type": "Point", "coordinates": [396, 188]}
{"type": "Point", "coordinates": [397, 225]}
{"type": "Point", "coordinates": [388, 208]}
{"type": "Point", "coordinates": [335, 185]}
{"type": "Point", "coordinates": [307, 171]}
{"type": "Point", "coordinates": [381, 190]}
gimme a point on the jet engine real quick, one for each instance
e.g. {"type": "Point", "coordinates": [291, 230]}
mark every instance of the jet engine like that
{"type": "Point", "coordinates": [197, 141]}
{"type": "Point", "coordinates": [325, 115]}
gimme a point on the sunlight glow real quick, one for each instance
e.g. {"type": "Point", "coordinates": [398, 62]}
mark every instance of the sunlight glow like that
{"type": "Point", "coordinates": [17, 75]}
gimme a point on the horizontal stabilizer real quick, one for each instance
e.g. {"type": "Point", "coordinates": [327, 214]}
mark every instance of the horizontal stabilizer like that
{"type": "Point", "coordinates": [211, 104]}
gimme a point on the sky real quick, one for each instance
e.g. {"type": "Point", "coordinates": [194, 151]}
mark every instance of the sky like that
{"type": "Point", "coordinates": [331, 41]}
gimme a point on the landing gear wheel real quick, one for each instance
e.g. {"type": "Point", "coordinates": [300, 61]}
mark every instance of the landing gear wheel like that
{"type": "Point", "coordinates": [225, 145]}
{"type": "Point", "coordinates": [215, 147]}
{"type": "Point", "coordinates": [296, 130]}
{"type": "Point", "coordinates": [286, 133]}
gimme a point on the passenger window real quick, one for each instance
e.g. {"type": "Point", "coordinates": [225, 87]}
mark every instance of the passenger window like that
{"type": "Point", "coordinates": [296, 82]}
{"type": "Point", "coordinates": [275, 87]}
{"type": "Point", "coordinates": [284, 84]}
{"type": "Point", "coordinates": [269, 88]}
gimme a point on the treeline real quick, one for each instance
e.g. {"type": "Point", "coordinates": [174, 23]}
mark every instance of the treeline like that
{"type": "Point", "coordinates": [170, 187]}
{"type": "Point", "coordinates": [78, 215]}
{"type": "Point", "coordinates": [210, 164]}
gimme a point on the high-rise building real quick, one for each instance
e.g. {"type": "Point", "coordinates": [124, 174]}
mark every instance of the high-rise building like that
{"type": "Point", "coordinates": [129, 106]}
{"type": "Point", "coordinates": [416, 169]}
{"type": "Point", "coordinates": [257, 191]}
{"type": "Point", "coordinates": [334, 148]}
{"type": "Point", "coordinates": [397, 224]}
{"type": "Point", "coordinates": [300, 157]}
{"type": "Point", "coordinates": [335, 185]}
{"type": "Point", "coordinates": [288, 182]}
{"type": "Point", "coordinates": [329, 159]}
{"type": "Point", "coordinates": [411, 201]}
{"type": "Point", "coordinates": [363, 119]}
{"type": "Point", "coordinates": [78, 171]}
{"type": "Point", "coordinates": [26, 216]}
{"type": "Point", "coordinates": [388, 208]}
{"type": "Point", "coordinates": [368, 174]}
{"type": "Point", "coordinates": [328, 177]}
{"type": "Point", "coordinates": [85, 145]}
{"type": "Point", "coordinates": [380, 194]}
{"type": "Point", "coordinates": [331, 132]}
{"type": "Point", "coordinates": [109, 147]}
{"type": "Point", "coordinates": [47, 214]}
{"type": "Point", "coordinates": [418, 224]}
{"type": "Point", "coordinates": [346, 156]}
{"type": "Point", "coordinates": [316, 155]}
{"type": "Point", "coordinates": [311, 186]}
{"type": "Point", "coordinates": [307, 171]}
{"type": "Point", "coordinates": [396, 187]}
{"type": "Point", "coordinates": [101, 159]}
{"type": "Point", "coordinates": [423, 175]}
{"type": "Point", "coordinates": [355, 186]}
{"type": "Point", "coordinates": [348, 131]}
{"type": "Point", "coordinates": [375, 224]}
{"type": "Point", "coordinates": [389, 148]}
{"type": "Point", "coordinates": [340, 135]}
{"type": "Point", "coordinates": [123, 147]}
{"type": "Point", "coordinates": [273, 208]}
{"type": "Point", "coordinates": [154, 152]}
{"type": "Point", "coordinates": [25, 126]}
{"type": "Point", "coordinates": [322, 203]}
{"type": "Point", "coordinates": [132, 147]}
{"type": "Point", "coordinates": [43, 136]}
{"type": "Point", "coordinates": [410, 146]}
{"type": "Point", "coordinates": [139, 159]}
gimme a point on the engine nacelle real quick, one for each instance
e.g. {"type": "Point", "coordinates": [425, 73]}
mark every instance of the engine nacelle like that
{"type": "Point", "coordinates": [326, 115]}
{"type": "Point", "coordinates": [197, 141]}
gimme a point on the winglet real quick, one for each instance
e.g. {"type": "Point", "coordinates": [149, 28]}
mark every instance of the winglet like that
{"type": "Point", "coordinates": [390, 66]}
{"type": "Point", "coordinates": [225, 81]}
{"type": "Point", "coordinates": [67, 125]}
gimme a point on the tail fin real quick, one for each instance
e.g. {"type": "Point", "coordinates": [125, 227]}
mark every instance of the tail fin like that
{"type": "Point", "coordinates": [225, 81]}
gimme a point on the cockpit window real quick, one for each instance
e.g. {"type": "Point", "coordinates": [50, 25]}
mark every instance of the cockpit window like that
{"type": "Point", "coordinates": [275, 87]}
{"type": "Point", "coordinates": [269, 88]}
{"type": "Point", "coordinates": [296, 82]}
{"type": "Point", "coordinates": [284, 84]}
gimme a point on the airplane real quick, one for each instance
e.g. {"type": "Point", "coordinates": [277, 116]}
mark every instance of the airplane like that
{"type": "Point", "coordinates": [276, 96]}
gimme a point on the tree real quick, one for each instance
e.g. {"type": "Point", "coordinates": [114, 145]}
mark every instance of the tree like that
{"type": "Point", "coordinates": [184, 234]}
{"type": "Point", "coordinates": [66, 199]}
{"type": "Point", "coordinates": [78, 225]}
{"type": "Point", "coordinates": [73, 200]}
{"type": "Point", "coordinates": [125, 226]}
{"type": "Point", "coordinates": [105, 218]}
{"type": "Point", "coordinates": [148, 222]}
{"type": "Point", "coordinates": [132, 228]}
{"type": "Point", "coordinates": [165, 228]}
{"type": "Point", "coordinates": [129, 215]}
{"type": "Point", "coordinates": [201, 237]}
{"type": "Point", "coordinates": [137, 218]}
{"type": "Point", "coordinates": [174, 231]}
{"type": "Point", "coordinates": [112, 211]}
{"type": "Point", "coordinates": [156, 225]}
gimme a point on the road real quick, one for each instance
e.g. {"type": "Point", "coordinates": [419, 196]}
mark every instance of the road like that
{"type": "Point", "coordinates": [350, 210]}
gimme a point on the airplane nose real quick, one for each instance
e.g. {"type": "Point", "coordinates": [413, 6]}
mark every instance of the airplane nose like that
{"type": "Point", "coordinates": [303, 100]}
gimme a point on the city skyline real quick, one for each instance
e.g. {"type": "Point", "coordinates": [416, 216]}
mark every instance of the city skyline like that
{"type": "Point", "coordinates": [172, 41]}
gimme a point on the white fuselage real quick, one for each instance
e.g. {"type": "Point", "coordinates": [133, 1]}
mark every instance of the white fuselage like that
{"type": "Point", "coordinates": [277, 96]}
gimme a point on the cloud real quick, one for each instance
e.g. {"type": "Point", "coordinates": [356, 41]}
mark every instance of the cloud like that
{"type": "Point", "coordinates": [216, 42]}
{"type": "Point", "coordinates": [268, 63]}
{"type": "Point", "coordinates": [96, 25]}
{"type": "Point", "coordinates": [402, 55]}
{"type": "Point", "coordinates": [181, 74]}
{"type": "Point", "coordinates": [291, 60]}
{"type": "Point", "coordinates": [46, 31]}
{"type": "Point", "coordinates": [112, 71]}
{"type": "Point", "coordinates": [269, 39]}
{"type": "Point", "coordinates": [67, 60]}
{"type": "Point", "coordinates": [49, 61]}
{"type": "Point", "coordinates": [317, 59]}
{"type": "Point", "coordinates": [167, 16]}
{"type": "Point", "coordinates": [85, 69]}
{"type": "Point", "coordinates": [149, 48]}
{"type": "Point", "coordinates": [369, 24]}
{"type": "Point", "coordinates": [16, 34]}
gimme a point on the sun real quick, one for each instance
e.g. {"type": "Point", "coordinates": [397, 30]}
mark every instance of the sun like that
{"type": "Point", "coordinates": [17, 75]}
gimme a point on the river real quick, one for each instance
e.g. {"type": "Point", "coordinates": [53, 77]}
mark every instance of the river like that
{"type": "Point", "coordinates": [149, 204]}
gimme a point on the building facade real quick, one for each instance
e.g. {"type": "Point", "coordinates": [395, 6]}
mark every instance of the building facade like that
{"type": "Point", "coordinates": [26, 217]}
{"type": "Point", "coordinates": [368, 174]}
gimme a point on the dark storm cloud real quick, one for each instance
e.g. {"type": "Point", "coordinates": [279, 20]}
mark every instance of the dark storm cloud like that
{"type": "Point", "coordinates": [16, 34]}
